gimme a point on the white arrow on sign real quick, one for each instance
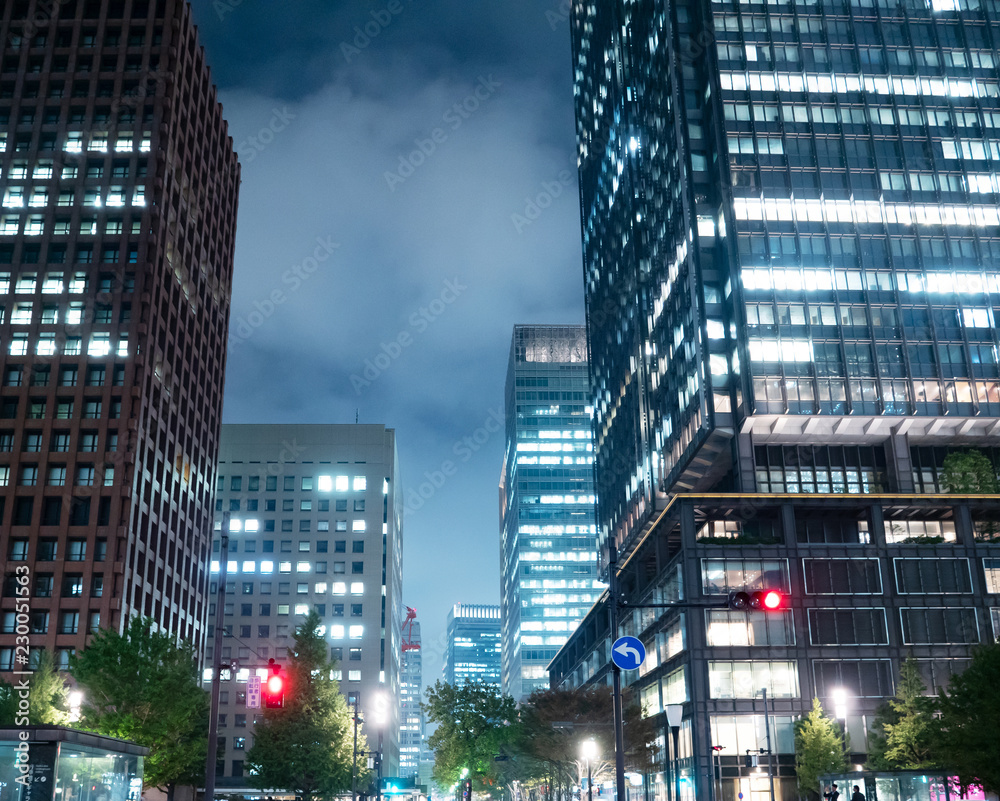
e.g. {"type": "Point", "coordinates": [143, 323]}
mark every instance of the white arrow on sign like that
{"type": "Point", "coordinates": [625, 649]}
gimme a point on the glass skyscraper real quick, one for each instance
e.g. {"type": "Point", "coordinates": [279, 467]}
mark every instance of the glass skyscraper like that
{"type": "Point", "coordinates": [411, 715]}
{"type": "Point", "coordinates": [548, 539]}
{"type": "Point", "coordinates": [795, 205]}
{"type": "Point", "coordinates": [473, 644]}
{"type": "Point", "coordinates": [791, 240]}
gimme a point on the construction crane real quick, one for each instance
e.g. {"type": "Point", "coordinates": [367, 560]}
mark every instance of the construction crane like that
{"type": "Point", "coordinates": [408, 643]}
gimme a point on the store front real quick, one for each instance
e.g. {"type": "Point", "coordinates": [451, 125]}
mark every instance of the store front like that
{"type": "Point", "coordinates": [53, 763]}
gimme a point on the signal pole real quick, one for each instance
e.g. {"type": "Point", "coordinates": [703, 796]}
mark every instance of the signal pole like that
{"type": "Point", "coordinates": [213, 721]}
{"type": "Point", "coordinates": [616, 673]}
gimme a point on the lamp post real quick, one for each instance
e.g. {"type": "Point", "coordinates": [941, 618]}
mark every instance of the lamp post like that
{"type": "Point", "coordinates": [381, 717]}
{"type": "Point", "coordinates": [675, 712]}
{"type": "Point", "coordinates": [354, 765]}
{"type": "Point", "coordinates": [588, 750]}
{"type": "Point", "coordinates": [767, 734]}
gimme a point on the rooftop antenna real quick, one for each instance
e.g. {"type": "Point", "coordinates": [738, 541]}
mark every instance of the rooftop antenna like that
{"type": "Point", "coordinates": [356, 416]}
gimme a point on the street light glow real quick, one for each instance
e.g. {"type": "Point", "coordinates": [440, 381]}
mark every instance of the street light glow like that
{"type": "Point", "coordinates": [588, 749]}
{"type": "Point", "coordinates": [839, 697]}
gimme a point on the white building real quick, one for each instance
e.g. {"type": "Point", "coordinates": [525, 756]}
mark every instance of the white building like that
{"type": "Point", "coordinates": [315, 522]}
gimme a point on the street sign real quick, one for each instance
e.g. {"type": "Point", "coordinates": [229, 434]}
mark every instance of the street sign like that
{"type": "Point", "coordinates": [253, 692]}
{"type": "Point", "coordinates": [628, 653]}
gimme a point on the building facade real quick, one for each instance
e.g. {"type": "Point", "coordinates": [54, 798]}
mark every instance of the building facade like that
{"type": "Point", "coordinates": [548, 535]}
{"type": "Point", "coordinates": [792, 264]}
{"type": "Point", "coordinates": [411, 715]}
{"type": "Point", "coordinates": [315, 522]}
{"type": "Point", "coordinates": [117, 230]}
{"type": "Point", "coordinates": [473, 644]}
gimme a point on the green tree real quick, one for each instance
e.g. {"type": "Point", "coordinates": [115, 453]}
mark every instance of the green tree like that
{"type": "Point", "coordinates": [475, 723]}
{"type": "Point", "coordinates": [968, 472]}
{"type": "Point", "coordinates": [555, 723]}
{"type": "Point", "coordinates": [901, 735]}
{"type": "Point", "coordinates": [819, 749]}
{"type": "Point", "coordinates": [49, 694]}
{"type": "Point", "coordinates": [8, 704]}
{"type": "Point", "coordinates": [143, 686]}
{"type": "Point", "coordinates": [306, 747]}
{"type": "Point", "coordinates": [969, 719]}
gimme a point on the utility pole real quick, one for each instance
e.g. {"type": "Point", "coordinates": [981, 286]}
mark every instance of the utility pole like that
{"type": "Point", "coordinates": [767, 730]}
{"type": "Point", "coordinates": [213, 721]}
{"type": "Point", "coordinates": [616, 673]}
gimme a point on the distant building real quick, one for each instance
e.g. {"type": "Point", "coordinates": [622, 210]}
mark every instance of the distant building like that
{"type": "Point", "coordinates": [315, 523]}
{"type": "Point", "coordinates": [473, 644]}
{"type": "Point", "coordinates": [411, 716]}
{"type": "Point", "coordinates": [548, 536]}
{"type": "Point", "coordinates": [117, 234]}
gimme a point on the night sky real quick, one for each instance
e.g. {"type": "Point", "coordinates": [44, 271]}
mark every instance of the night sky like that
{"type": "Point", "coordinates": [409, 195]}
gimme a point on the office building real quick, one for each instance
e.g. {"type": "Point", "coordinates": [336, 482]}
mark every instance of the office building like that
{"type": "Point", "coordinates": [411, 693]}
{"type": "Point", "coordinates": [548, 536]}
{"type": "Point", "coordinates": [791, 261]}
{"type": "Point", "coordinates": [315, 521]}
{"type": "Point", "coordinates": [473, 644]}
{"type": "Point", "coordinates": [117, 227]}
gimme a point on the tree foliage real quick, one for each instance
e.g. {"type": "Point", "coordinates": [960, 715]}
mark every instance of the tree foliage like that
{"type": "Point", "coordinates": [901, 735]}
{"type": "Point", "coordinates": [49, 694]}
{"type": "Point", "coordinates": [142, 686]}
{"type": "Point", "coordinates": [475, 723]}
{"type": "Point", "coordinates": [555, 723]}
{"type": "Point", "coordinates": [969, 472]}
{"type": "Point", "coordinates": [306, 747]}
{"type": "Point", "coordinates": [969, 719]}
{"type": "Point", "coordinates": [8, 704]}
{"type": "Point", "coordinates": [819, 749]}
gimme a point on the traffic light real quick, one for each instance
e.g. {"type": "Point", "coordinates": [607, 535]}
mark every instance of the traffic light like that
{"type": "Point", "coordinates": [274, 687]}
{"type": "Point", "coordinates": [768, 600]}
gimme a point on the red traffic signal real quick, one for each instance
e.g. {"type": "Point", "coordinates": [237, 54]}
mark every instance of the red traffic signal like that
{"type": "Point", "coordinates": [773, 600]}
{"type": "Point", "coordinates": [768, 600]}
{"type": "Point", "coordinates": [274, 687]}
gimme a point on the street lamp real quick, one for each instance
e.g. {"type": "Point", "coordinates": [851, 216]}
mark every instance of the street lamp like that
{"type": "Point", "coordinates": [75, 703]}
{"type": "Point", "coordinates": [675, 713]}
{"type": "Point", "coordinates": [839, 697]}
{"type": "Point", "coordinates": [380, 718]}
{"type": "Point", "coordinates": [354, 766]}
{"type": "Point", "coordinates": [588, 750]}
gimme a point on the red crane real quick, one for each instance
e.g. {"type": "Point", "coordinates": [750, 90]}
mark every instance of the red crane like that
{"type": "Point", "coordinates": [408, 643]}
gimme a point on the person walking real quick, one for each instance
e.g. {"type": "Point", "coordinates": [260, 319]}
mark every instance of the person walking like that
{"type": "Point", "coordinates": [832, 793]}
{"type": "Point", "coordinates": [857, 795]}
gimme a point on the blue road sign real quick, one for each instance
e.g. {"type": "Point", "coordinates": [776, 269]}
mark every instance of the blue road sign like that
{"type": "Point", "coordinates": [628, 653]}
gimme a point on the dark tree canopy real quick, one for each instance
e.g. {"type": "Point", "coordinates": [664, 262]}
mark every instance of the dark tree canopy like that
{"type": "Point", "coordinates": [969, 719]}
{"type": "Point", "coordinates": [900, 738]}
{"type": "Point", "coordinates": [967, 472]}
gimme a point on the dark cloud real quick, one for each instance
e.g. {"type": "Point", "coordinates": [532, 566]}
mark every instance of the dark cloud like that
{"type": "Point", "coordinates": [400, 211]}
